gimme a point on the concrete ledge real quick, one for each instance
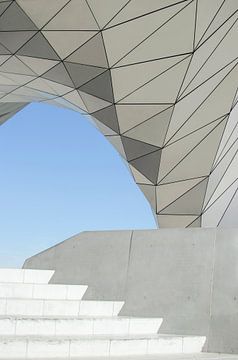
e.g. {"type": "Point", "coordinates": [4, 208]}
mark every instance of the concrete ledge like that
{"type": "Point", "coordinates": [47, 347]}
{"type": "Point", "coordinates": [77, 326]}
{"type": "Point", "coordinates": [27, 276]}
{"type": "Point", "coordinates": [41, 307]}
{"type": "Point", "coordinates": [42, 291]}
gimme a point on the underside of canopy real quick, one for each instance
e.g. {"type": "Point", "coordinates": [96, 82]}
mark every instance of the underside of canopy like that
{"type": "Point", "coordinates": [158, 78]}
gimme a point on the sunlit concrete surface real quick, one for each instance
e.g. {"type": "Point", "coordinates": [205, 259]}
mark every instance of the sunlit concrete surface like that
{"type": "Point", "coordinates": [188, 277]}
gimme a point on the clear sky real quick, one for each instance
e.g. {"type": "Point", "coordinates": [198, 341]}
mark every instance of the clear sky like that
{"type": "Point", "coordinates": [59, 176]}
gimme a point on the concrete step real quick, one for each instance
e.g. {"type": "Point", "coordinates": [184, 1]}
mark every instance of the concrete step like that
{"type": "Point", "coordinates": [20, 347]}
{"type": "Point", "coordinates": [34, 307]}
{"type": "Point", "coordinates": [201, 356]}
{"type": "Point", "coordinates": [78, 326]}
{"type": "Point", "coordinates": [42, 291]}
{"type": "Point", "coordinates": [26, 276]}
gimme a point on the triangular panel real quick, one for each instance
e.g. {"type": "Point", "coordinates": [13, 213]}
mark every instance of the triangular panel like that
{"type": "Point", "coordinates": [39, 47]}
{"type": "Point", "coordinates": [91, 53]}
{"type": "Point", "coordinates": [134, 148]}
{"type": "Point", "coordinates": [108, 117]}
{"type": "Point", "coordinates": [101, 87]}
{"type": "Point", "coordinates": [148, 165]}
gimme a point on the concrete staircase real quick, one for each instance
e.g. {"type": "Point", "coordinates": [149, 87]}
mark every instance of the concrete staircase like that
{"type": "Point", "coordinates": [42, 321]}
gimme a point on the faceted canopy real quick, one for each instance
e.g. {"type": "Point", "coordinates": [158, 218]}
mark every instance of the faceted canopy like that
{"type": "Point", "coordinates": [159, 79]}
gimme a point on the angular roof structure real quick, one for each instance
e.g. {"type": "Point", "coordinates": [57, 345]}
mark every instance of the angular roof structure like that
{"type": "Point", "coordinates": [159, 79]}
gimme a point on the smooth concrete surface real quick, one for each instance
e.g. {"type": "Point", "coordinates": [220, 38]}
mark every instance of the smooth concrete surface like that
{"type": "Point", "coordinates": [188, 277]}
{"type": "Point", "coordinates": [223, 331]}
{"type": "Point", "coordinates": [98, 259]}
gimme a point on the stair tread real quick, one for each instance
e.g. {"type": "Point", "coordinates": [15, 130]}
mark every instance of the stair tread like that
{"type": "Point", "coordinates": [95, 337]}
{"type": "Point", "coordinates": [24, 317]}
{"type": "Point", "coordinates": [84, 300]}
{"type": "Point", "coordinates": [40, 284]}
{"type": "Point", "coordinates": [81, 317]}
{"type": "Point", "coordinates": [201, 356]}
{"type": "Point", "coordinates": [25, 276]}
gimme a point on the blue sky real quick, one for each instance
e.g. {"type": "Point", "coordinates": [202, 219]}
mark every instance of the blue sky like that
{"type": "Point", "coordinates": [60, 176]}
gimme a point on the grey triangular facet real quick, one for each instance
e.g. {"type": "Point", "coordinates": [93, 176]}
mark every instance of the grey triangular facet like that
{"type": "Point", "coordinates": [190, 203]}
{"type": "Point", "coordinates": [66, 42]}
{"type": "Point", "coordinates": [153, 130]}
{"type": "Point", "coordinates": [130, 115]}
{"type": "Point", "coordinates": [175, 221]}
{"type": "Point", "coordinates": [13, 40]}
{"type": "Point", "coordinates": [103, 128]}
{"type": "Point", "coordinates": [81, 74]}
{"type": "Point", "coordinates": [108, 117]}
{"type": "Point", "coordinates": [3, 6]}
{"type": "Point", "coordinates": [174, 37]}
{"type": "Point", "coordinates": [41, 11]}
{"type": "Point", "coordinates": [205, 14]}
{"type": "Point", "coordinates": [93, 103]}
{"type": "Point", "coordinates": [15, 19]}
{"type": "Point", "coordinates": [3, 50]}
{"type": "Point", "coordinates": [7, 110]}
{"type": "Point", "coordinates": [196, 223]}
{"type": "Point", "coordinates": [116, 142]}
{"type": "Point", "coordinates": [168, 193]}
{"type": "Point", "coordinates": [4, 58]}
{"type": "Point", "coordinates": [38, 66]}
{"type": "Point", "coordinates": [106, 13]}
{"type": "Point", "coordinates": [91, 53]}
{"type": "Point", "coordinates": [75, 15]}
{"type": "Point", "coordinates": [59, 74]}
{"type": "Point", "coordinates": [100, 87]}
{"type": "Point", "coordinates": [139, 178]}
{"type": "Point", "coordinates": [134, 148]}
{"type": "Point", "coordinates": [192, 165]}
{"type": "Point", "coordinates": [5, 117]}
{"type": "Point", "coordinates": [148, 165]}
{"type": "Point", "coordinates": [10, 107]}
{"type": "Point", "coordinates": [15, 66]}
{"type": "Point", "coordinates": [149, 192]}
{"type": "Point", "coordinates": [38, 46]}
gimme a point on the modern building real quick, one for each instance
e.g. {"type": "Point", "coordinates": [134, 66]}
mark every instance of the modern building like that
{"type": "Point", "coordinates": [159, 79]}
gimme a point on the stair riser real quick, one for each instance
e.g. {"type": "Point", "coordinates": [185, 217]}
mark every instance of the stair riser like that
{"type": "Point", "coordinates": [82, 348]}
{"type": "Point", "coordinates": [71, 327]}
{"type": "Point", "coordinates": [42, 291]}
{"type": "Point", "coordinates": [25, 276]}
{"type": "Point", "coordinates": [59, 308]}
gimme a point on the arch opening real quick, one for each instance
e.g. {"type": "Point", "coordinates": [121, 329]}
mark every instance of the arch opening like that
{"type": "Point", "coordinates": [154, 80]}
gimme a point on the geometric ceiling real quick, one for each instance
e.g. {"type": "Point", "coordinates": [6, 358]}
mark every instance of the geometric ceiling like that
{"type": "Point", "coordinates": [159, 79]}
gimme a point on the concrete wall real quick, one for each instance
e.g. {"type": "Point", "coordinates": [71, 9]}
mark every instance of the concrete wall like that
{"type": "Point", "coordinates": [187, 276]}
